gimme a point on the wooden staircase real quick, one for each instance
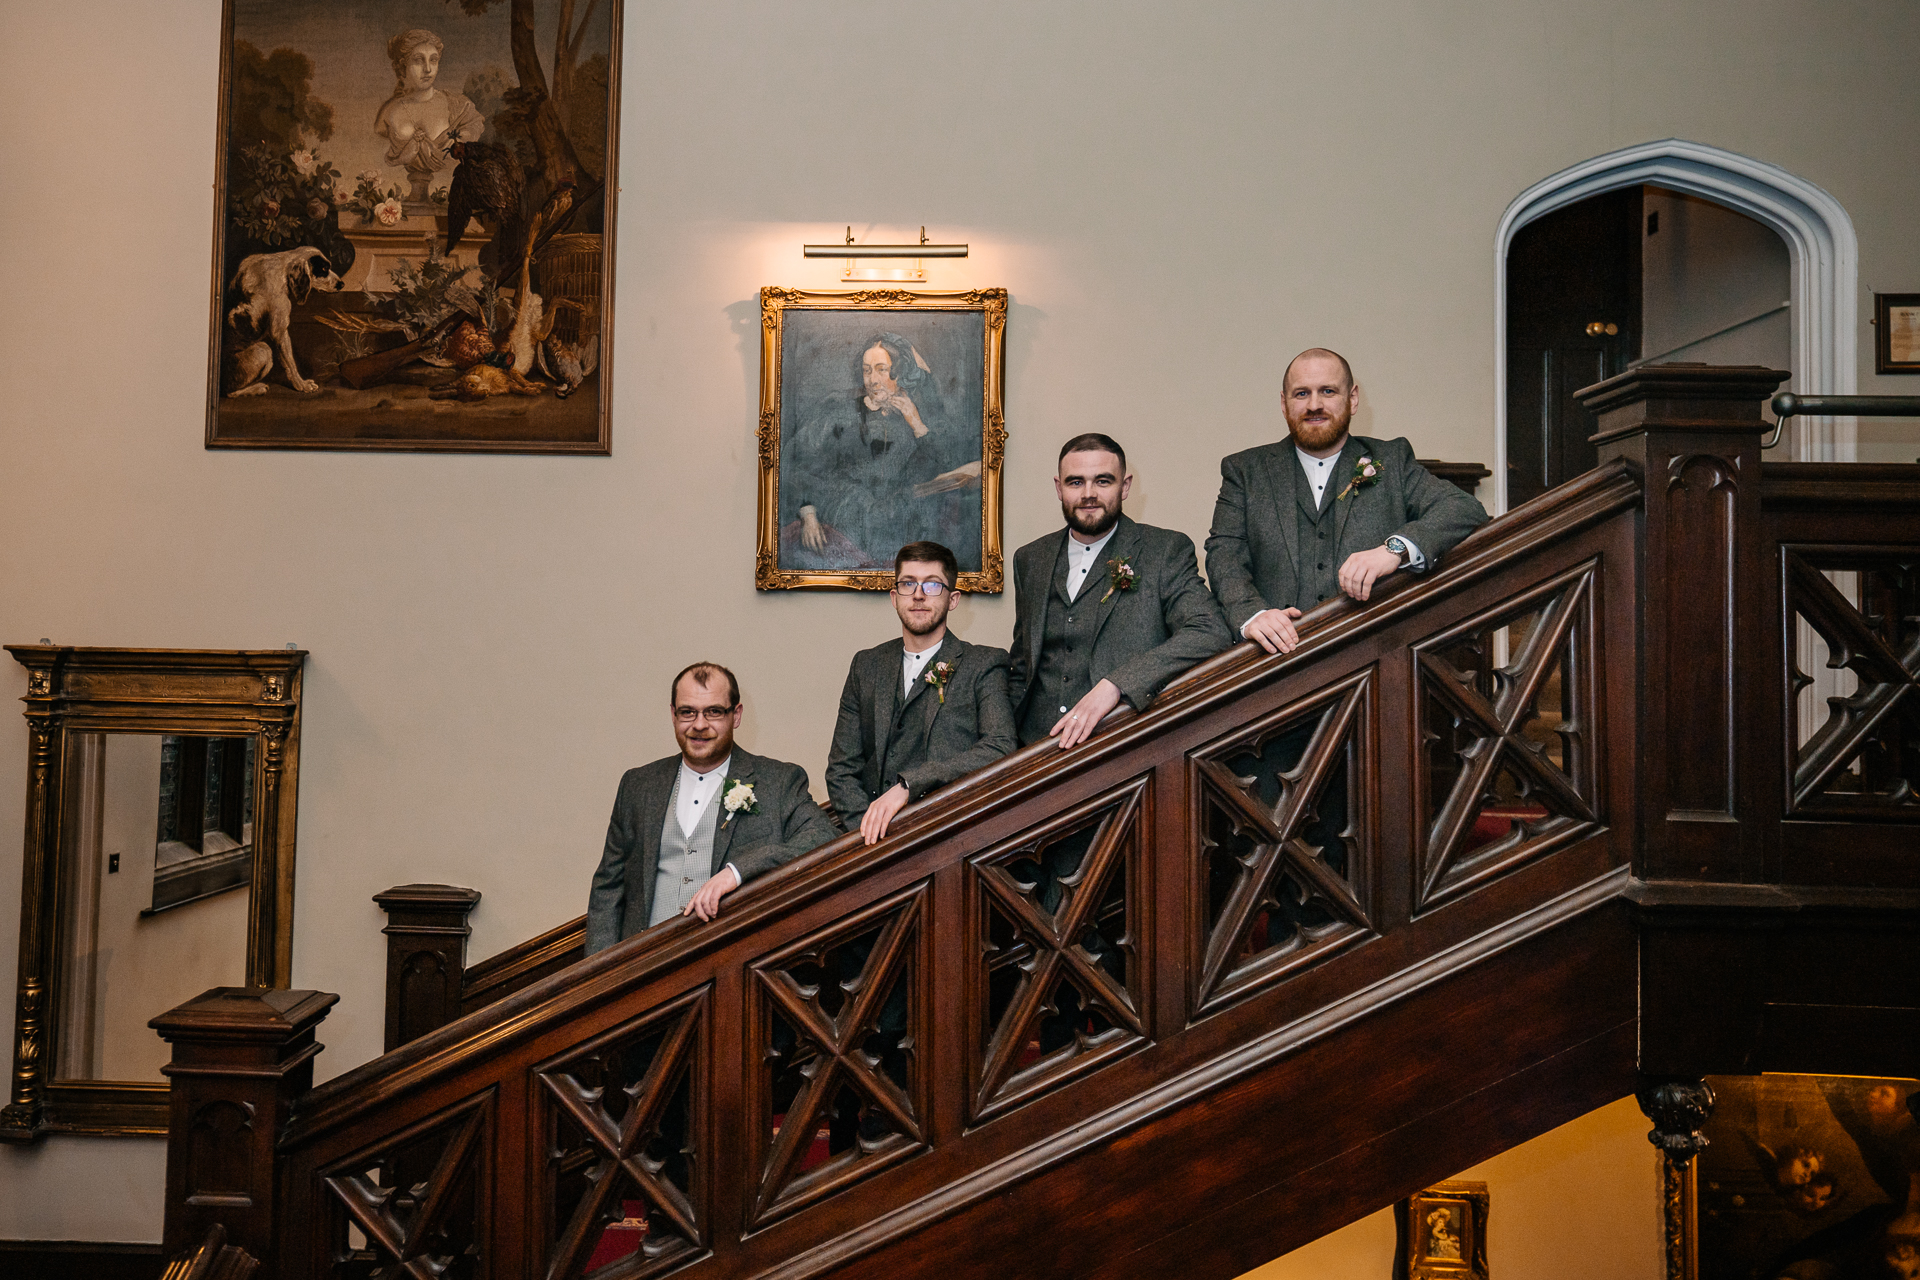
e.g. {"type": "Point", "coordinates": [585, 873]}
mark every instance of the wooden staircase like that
{"type": "Point", "coordinates": [1586, 849]}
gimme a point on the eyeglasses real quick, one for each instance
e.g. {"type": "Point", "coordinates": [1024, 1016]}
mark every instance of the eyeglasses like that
{"type": "Point", "coordinates": [687, 715]}
{"type": "Point", "coordinates": [934, 589]}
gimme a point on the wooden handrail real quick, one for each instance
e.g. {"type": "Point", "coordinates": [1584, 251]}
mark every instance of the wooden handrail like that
{"type": "Point", "coordinates": [1001, 1074]}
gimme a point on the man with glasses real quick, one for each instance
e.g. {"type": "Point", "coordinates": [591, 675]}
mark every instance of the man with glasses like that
{"type": "Point", "coordinates": [920, 711]}
{"type": "Point", "coordinates": [690, 829]}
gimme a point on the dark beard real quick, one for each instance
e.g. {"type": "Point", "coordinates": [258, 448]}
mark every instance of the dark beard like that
{"type": "Point", "coordinates": [914, 629]}
{"type": "Point", "coordinates": [1075, 520]}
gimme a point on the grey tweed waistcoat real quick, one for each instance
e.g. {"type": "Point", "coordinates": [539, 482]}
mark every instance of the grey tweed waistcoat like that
{"type": "Point", "coordinates": [686, 862]}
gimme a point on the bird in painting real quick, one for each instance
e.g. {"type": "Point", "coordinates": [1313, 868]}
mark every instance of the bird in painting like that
{"type": "Point", "coordinates": [487, 182]}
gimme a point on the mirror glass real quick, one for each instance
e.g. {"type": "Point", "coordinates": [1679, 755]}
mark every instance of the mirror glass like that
{"type": "Point", "coordinates": [156, 857]}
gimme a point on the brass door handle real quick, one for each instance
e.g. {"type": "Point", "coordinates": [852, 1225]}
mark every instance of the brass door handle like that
{"type": "Point", "coordinates": [1600, 328]}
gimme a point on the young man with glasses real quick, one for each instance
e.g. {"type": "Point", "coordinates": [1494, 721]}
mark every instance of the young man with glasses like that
{"type": "Point", "coordinates": [690, 829]}
{"type": "Point", "coordinates": [920, 711]}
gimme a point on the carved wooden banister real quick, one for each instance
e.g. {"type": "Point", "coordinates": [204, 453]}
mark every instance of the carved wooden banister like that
{"type": "Point", "coordinates": [1203, 943]}
{"type": "Point", "coordinates": [1323, 928]}
{"type": "Point", "coordinates": [241, 1055]}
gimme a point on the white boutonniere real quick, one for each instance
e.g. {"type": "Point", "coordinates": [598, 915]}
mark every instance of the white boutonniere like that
{"type": "Point", "coordinates": [739, 798]}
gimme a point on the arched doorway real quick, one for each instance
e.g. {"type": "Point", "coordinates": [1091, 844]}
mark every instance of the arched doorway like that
{"type": "Point", "coordinates": [1820, 244]}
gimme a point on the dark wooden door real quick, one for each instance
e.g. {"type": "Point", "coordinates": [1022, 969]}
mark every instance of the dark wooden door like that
{"type": "Point", "coordinates": [1573, 318]}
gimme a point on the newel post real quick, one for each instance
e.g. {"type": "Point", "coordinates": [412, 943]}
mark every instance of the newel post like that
{"type": "Point", "coordinates": [1708, 736]}
{"type": "Point", "coordinates": [427, 935]}
{"type": "Point", "coordinates": [241, 1055]}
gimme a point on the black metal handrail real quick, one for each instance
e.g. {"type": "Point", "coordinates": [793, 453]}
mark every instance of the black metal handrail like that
{"type": "Point", "coordinates": [1788, 405]}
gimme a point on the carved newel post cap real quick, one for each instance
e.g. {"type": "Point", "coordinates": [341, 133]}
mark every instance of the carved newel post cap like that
{"type": "Point", "coordinates": [1699, 397]}
{"type": "Point", "coordinates": [262, 1014]}
{"type": "Point", "coordinates": [1678, 1109]}
{"type": "Point", "coordinates": [443, 896]}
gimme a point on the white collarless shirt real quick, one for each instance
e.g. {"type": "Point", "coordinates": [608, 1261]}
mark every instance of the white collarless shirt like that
{"type": "Point", "coordinates": [1082, 557]}
{"type": "Point", "coordinates": [695, 793]}
{"type": "Point", "coordinates": [698, 792]}
{"type": "Point", "coordinates": [912, 664]}
{"type": "Point", "coordinates": [1319, 471]}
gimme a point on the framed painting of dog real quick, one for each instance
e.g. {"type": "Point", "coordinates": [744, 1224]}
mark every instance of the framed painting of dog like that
{"type": "Point", "coordinates": [881, 423]}
{"type": "Point", "coordinates": [413, 229]}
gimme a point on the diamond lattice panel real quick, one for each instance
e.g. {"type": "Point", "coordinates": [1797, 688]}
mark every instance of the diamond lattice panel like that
{"type": "Point", "coordinates": [1286, 842]}
{"type": "Point", "coordinates": [1059, 913]}
{"type": "Point", "coordinates": [1508, 704]}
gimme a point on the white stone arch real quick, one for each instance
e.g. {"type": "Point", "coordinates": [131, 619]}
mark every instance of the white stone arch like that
{"type": "Point", "coordinates": [1823, 256]}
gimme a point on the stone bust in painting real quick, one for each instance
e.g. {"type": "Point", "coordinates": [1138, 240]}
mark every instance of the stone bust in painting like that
{"type": "Point", "coordinates": [419, 122]}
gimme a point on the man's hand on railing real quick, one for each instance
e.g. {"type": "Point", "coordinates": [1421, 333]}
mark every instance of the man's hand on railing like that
{"type": "Point", "coordinates": [1364, 568]}
{"type": "Point", "coordinates": [1077, 725]}
{"type": "Point", "coordinates": [1274, 630]}
{"type": "Point", "coordinates": [706, 902]}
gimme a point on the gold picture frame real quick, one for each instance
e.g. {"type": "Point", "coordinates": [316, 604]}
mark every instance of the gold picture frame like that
{"type": "Point", "coordinates": [1798, 1170]}
{"type": "Point", "coordinates": [414, 227]}
{"type": "Point", "coordinates": [869, 405]}
{"type": "Point", "coordinates": [1442, 1233]}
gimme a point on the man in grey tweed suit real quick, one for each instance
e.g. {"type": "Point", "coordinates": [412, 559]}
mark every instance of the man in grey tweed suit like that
{"type": "Point", "coordinates": [690, 829]}
{"type": "Point", "coordinates": [1291, 528]}
{"type": "Point", "coordinates": [919, 711]}
{"type": "Point", "coordinates": [1106, 609]}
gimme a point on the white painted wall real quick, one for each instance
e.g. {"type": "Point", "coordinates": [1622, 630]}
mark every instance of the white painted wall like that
{"type": "Point", "coordinates": [1581, 1202]}
{"type": "Point", "coordinates": [1178, 197]}
{"type": "Point", "coordinates": [1706, 269]}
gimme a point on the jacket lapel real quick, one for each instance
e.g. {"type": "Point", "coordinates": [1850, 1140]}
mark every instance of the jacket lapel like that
{"type": "Point", "coordinates": [1342, 474]}
{"type": "Point", "coordinates": [1036, 603]}
{"type": "Point", "coordinates": [1126, 542]}
{"type": "Point", "coordinates": [1285, 482]}
{"type": "Point", "coordinates": [920, 686]}
{"type": "Point", "coordinates": [741, 770]}
{"type": "Point", "coordinates": [656, 809]}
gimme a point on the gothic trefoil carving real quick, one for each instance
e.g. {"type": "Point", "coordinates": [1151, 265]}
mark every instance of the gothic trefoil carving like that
{"type": "Point", "coordinates": [839, 1018]}
{"type": "Point", "coordinates": [1285, 840]}
{"type": "Point", "coordinates": [624, 1161]}
{"type": "Point", "coordinates": [1509, 772]}
{"type": "Point", "coordinates": [1059, 916]}
{"type": "Point", "coordinates": [1864, 759]}
{"type": "Point", "coordinates": [417, 1198]}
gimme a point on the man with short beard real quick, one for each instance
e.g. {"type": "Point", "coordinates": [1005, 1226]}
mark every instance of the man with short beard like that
{"type": "Point", "coordinates": [688, 830]}
{"type": "Point", "coordinates": [1106, 610]}
{"type": "Point", "coordinates": [1323, 511]}
{"type": "Point", "coordinates": [919, 711]}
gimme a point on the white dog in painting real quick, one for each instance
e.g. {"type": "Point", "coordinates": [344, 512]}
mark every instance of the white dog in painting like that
{"type": "Point", "coordinates": [257, 328]}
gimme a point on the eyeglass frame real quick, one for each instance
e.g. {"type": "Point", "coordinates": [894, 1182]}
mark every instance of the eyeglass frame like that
{"type": "Point", "coordinates": [692, 715]}
{"type": "Point", "coordinates": [908, 587]}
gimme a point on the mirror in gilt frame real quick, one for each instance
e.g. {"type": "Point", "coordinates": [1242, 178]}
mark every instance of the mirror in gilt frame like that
{"type": "Point", "coordinates": [161, 789]}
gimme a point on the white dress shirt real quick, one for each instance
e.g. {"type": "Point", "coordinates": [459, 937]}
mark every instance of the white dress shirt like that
{"type": "Point", "coordinates": [911, 664]}
{"type": "Point", "coordinates": [696, 791]}
{"type": "Point", "coordinates": [1082, 557]}
{"type": "Point", "coordinates": [1319, 471]}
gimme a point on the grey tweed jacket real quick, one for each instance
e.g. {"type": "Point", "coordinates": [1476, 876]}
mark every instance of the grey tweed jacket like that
{"type": "Point", "coordinates": [883, 737]}
{"type": "Point", "coordinates": [786, 824]}
{"type": "Point", "coordinates": [1143, 637]}
{"type": "Point", "coordinates": [1252, 554]}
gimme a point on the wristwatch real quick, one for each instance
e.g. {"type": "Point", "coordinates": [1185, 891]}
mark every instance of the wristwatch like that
{"type": "Point", "coordinates": [1398, 545]}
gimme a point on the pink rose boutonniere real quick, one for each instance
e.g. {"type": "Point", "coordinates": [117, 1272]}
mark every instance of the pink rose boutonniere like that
{"type": "Point", "coordinates": [1120, 577]}
{"type": "Point", "coordinates": [1365, 472]}
{"type": "Point", "coordinates": [938, 677]}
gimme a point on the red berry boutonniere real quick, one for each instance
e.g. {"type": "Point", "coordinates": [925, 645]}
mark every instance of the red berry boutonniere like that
{"type": "Point", "coordinates": [1120, 577]}
{"type": "Point", "coordinates": [938, 677]}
